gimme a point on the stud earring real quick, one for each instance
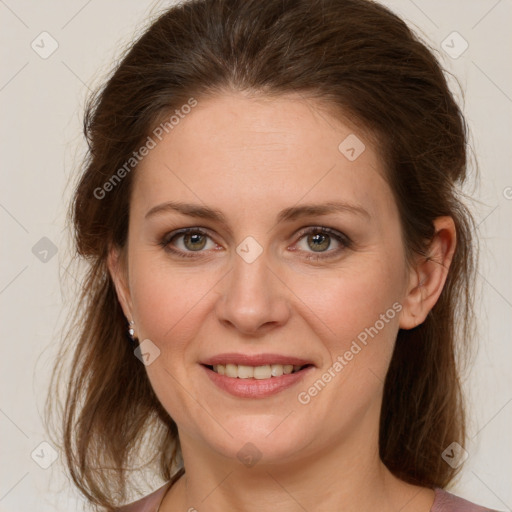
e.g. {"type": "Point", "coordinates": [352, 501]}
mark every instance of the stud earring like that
{"type": "Point", "coordinates": [131, 330]}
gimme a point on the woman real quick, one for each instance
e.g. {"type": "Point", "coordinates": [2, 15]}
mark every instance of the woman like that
{"type": "Point", "coordinates": [270, 210]}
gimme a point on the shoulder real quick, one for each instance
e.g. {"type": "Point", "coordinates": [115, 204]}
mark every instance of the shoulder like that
{"type": "Point", "coordinates": [148, 503]}
{"type": "Point", "coordinates": [445, 501]}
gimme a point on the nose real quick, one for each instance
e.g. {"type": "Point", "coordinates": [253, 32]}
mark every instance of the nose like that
{"type": "Point", "coordinates": [254, 298]}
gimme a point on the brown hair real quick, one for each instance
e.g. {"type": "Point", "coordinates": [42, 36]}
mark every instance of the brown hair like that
{"type": "Point", "coordinates": [363, 60]}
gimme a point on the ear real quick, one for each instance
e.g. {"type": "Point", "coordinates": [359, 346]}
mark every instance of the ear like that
{"type": "Point", "coordinates": [429, 274]}
{"type": "Point", "coordinates": [118, 271]}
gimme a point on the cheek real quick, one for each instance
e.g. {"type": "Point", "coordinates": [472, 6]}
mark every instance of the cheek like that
{"type": "Point", "coordinates": [166, 300]}
{"type": "Point", "coordinates": [361, 309]}
{"type": "Point", "coordinates": [345, 303]}
{"type": "Point", "coordinates": [168, 303]}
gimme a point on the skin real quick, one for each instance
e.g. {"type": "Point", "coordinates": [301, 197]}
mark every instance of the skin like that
{"type": "Point", "coordinates": [251, 157]}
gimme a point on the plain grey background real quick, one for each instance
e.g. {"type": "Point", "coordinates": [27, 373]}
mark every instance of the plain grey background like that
{"type": "Point", "coordinates": [52, 53]}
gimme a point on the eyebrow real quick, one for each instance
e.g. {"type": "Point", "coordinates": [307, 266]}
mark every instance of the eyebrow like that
{"type": "Point", "coordinates": [288, 214]}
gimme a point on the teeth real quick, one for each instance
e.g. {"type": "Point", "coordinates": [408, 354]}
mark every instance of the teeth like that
{"type": "Point", "coordinates": [266, 371]}
{"type": "Point", "coordinates": [276, 370]}
{"type": "Point", "coordinates": [231, 370]}
{"type": "Point", "coordinates": [259, 372]}
{"type": "Point", "coordinates": [244, 372]}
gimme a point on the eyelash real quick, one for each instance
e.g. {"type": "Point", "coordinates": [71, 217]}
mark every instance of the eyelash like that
{"type": "Point", "coordinates": [343, 239]}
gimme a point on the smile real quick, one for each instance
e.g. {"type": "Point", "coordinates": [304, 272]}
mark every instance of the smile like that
{"type": "Point", "coordinates": [262, 381]}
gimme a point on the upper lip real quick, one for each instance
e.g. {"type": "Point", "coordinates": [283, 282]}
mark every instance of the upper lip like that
{"type": "Point", "coordinates": [255, 360]}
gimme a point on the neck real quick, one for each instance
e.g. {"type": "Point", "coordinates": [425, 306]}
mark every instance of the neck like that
{"type": "Point", "coordinates": [348, 476]}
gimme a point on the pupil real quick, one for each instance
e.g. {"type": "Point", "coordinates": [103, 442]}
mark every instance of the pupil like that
{"type": "Point", "coordinates": [320, 237]}
{"type": "Point", "coordinates": [194, 238]}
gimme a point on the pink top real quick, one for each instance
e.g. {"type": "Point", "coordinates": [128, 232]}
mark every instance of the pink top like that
{"type": "Point", "coordinates": [443, 501]}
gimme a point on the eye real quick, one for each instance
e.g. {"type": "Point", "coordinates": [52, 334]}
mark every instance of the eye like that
{"type": "Point", "coordinates": [191, 240]}
{"type": "Point", "coordinates": [319, 239]}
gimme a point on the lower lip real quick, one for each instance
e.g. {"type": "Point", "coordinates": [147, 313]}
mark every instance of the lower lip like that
{"type": "Point", "coordinates": [256, 388]}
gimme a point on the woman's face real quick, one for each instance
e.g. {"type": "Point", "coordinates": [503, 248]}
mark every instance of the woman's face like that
{"type": "Point", "coordinates": [261, 278]}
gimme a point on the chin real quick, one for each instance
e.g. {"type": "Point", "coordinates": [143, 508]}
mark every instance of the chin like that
{"type": "Point", "coordinates": [259, 439]}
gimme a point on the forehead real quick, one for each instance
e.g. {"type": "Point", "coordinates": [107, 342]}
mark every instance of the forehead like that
{"type": "Point", "coordinates": [261, 152]}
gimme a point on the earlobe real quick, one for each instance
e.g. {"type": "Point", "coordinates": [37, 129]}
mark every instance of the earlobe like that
{"type": "Point", "coordinates": [118, 273]}
{"type": "Point", "coordinates": [429, 275]}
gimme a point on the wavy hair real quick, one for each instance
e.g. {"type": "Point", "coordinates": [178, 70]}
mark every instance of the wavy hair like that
{"type": "Point", "coordinates": [363, 61]}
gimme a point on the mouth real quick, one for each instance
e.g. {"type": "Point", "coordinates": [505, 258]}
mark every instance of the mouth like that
{"type": "Point", "coordinates": [256, 376]}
